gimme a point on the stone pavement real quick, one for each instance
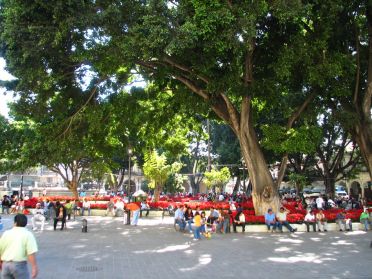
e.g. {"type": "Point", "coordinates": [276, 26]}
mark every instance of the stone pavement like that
{"type": "Point", "coordinates": [153, 249]}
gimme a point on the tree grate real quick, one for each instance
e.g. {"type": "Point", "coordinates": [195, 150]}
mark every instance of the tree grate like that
{"type": "Point", "coordinates": [87, 268]}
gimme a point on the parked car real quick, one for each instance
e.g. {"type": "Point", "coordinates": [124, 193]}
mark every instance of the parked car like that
{"type": "Point", "coordinates": [341, 193]}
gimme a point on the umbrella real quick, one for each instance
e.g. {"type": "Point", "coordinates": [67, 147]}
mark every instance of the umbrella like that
{"type": "Point", "coordinates": [140, 193]}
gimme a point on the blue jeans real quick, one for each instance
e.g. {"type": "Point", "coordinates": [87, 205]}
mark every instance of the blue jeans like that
{"type": "Point", "coordinates": [17, 270]}
{"type": "Point", "coordinates": [181, 223]}
{"type": "Point", "coordinates": [285, 224]}
{"type": "Point", "coordinates": [189, 222]}
{"type": "Point", "coordinates": [83, 209]}
{"type": "Point", "coordinates": [365, 222]}
{"type": "Point", "coordinates": [135, 217]}
{"type": "Point", "coordinates": [226, 225]}
{"type": "Point", "coordinates": [5, 209]}
{"type": "Point", "coordinates": [197, 232]}
{"type": "Point", "coordinates": [273, 225]}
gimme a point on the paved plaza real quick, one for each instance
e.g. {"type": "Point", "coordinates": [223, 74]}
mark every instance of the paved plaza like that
{"type": "Point", "coordinates": [153, 249]}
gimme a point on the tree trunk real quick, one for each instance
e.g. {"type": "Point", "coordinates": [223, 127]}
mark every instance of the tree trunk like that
{"type": "Point", "coordinates": [362, 134]}
{"type": "Point", "coordinates": [237, 184]}
{"type": "Point", "coordinates": [72, 186]}
{"type": "Point", "coordinates": [329, 182]}
{"type": "Point", "coordinates": [157, 191]}
{"type": "Point", "coordinates": [265, 192]}
{"type": "Point", "coordinates": [362, 130]}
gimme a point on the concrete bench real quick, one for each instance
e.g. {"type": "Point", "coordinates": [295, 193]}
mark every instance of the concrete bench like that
{"type": "Point", "coordinates": [300, 227]}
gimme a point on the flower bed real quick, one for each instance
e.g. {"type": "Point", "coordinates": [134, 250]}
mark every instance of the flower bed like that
{"type": "Point", "coordinates": [296, 214]}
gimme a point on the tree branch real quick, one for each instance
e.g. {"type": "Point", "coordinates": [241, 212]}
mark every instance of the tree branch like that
{"type": "Point", "coordinates": [168, 60]}
{"type": "Point", "coordinates": [357, 78]}
{"type": "Point", "coordinates": [233, 113]}
{"type": "Point", "coordinates": [300, 109]}
{"type": "Point", "coordinates": [193, 87]}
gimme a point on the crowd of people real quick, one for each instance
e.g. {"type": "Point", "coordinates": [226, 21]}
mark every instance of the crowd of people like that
{"type": "Point", "coordinates": [220, 221]}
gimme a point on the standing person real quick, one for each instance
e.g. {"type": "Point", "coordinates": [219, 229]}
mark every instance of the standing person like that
{"type": "Point", "coordinates": [319, 202]}
{"type": "Point", "coordinates": [51, 210]}
{"type": "Point", "coordinates": [364, 219]}
{"type": "Point", "coordinates": [20, 205]}
{"type": "Point", "coordinates": [17, 246]}
{"type": "Point", "coordinates": [197, 226]}
{"type": "Point", "coordinates": [60, 215]}
{"type": "Point", "coordinates": [69, 209]}
{"type": "Point", "coordinates": [226, 221]}
{"type": "Point", "coordinates": [203, 228]}
{"type": "Point", "coordinates": [13, 205]}
{"type": "Point", "coordinates": [135, 209]}
{"type": "Point", "coordinates": [5, 204]}
{"type": "Point", "coordinates": [189, 217]}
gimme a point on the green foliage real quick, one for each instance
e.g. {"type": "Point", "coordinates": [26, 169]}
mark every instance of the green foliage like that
{"type": "Point", "coordinates": [303, 139]}
{"type": "Point", "coordinates": [77, 56]}
{"type": "Point", "coordinates": [175, 183]}
{"type": "Point", "coordinates": [298, 181]}
{"type": "Point", "coordinates": [157, 170]}
{"type": "Point", "coordinates": [216, 178]}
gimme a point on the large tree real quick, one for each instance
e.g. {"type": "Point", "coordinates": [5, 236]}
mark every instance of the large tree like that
{"type": "Point", "coordinates": [238, 57]}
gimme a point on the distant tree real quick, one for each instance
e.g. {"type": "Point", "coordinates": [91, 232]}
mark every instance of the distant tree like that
{"type": "Point", "coordinates": [216, 179]}
{"type": "Point", "coordinates": [157, 171]}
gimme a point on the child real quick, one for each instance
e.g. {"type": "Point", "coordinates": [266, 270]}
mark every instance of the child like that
{"type": "Point", "coordinates": [198, 226]}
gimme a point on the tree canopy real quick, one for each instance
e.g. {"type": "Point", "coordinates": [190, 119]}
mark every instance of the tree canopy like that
{"type": "Point", "coordinates": [260, 66]}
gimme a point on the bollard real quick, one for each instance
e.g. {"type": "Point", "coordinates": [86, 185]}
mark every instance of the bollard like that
{"type": "Point", "coordinates": [128, 217]}
{"type": "Point", "coordinates": [84, 228]}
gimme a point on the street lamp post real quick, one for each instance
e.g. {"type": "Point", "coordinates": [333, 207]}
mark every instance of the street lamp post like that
{"type": "Point", "coordinates": [129, 169]}
{"type": "Point", "coordinates": [21, 187]}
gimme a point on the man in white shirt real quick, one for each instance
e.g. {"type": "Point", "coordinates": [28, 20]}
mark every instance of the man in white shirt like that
{"type": "Point", "coordinates": [86, 206]}
{"type": "Point", "coordinates": [281, 218]}
{"type": "Point", "coordinates": [38, 216]}
{"type": "Point", "coordinates": [310, 220]}
{"type": "Point", "coordinates": [319, 202]}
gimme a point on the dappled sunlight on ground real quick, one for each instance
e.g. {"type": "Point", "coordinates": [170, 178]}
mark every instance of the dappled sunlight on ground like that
{"type": "Point", "coordinates": [202, 260]}
{"type": "Point", "coordinates": [154, 250]}
{"type": "Point", "coordinates": [282, 249]}
{"type": "Point", "coordinates": [170, 248]}
{"type": "Point", "coordinates": [356, 233]}
{"type": "Point", "coordinates": [173, 248]}
{"type": "Point", "coordinates": [341, 242]}
{"type": "Point", "coordinates": [306, 257]}
{"type": "Point", "coordinates": [291, 240]}
{"type": "Point", "coordinates": [315, 239]}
